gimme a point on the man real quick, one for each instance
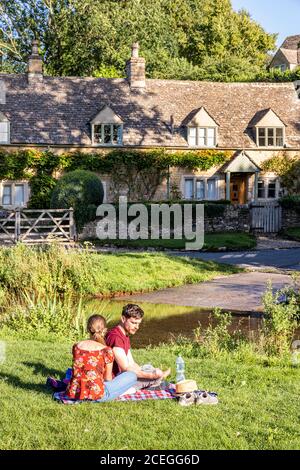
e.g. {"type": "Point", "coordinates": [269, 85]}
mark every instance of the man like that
{"type": "Point", "coordinates": [118, 339]}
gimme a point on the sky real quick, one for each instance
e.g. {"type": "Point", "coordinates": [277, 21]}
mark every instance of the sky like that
{"type": "Point", "coordinates": [275, 16]}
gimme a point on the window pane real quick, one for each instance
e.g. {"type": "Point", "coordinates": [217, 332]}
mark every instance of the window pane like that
{"type": "Point", "coordinates": [261, 189]}
{"type": "Point", "coordinates": [98, 134]}
{"type": "Point", "coordinates": [261, 142]}
{"type": "Point", "coordinates": [107, 134]}
{"type": "Point", "coordinates": [188, 189]}
{"type": "Point", "coordinates": [271, 134]}
{"type": "Point", "coordinates": [202, 142]}
{"type": "Point", "coordinates": [192, 136]}
{"type": "Point", "coordinates": [3, 131]}
{"type": "Point", "coordinates": [119, 135]}
{"type": "Point", "coordinates": [6, 195]}
{"type": "Point", "coordinates": [272, 189]}
{"type": "Point", "coordinates": [261, 132]}
{"type": "Point", "coordinates": [19, 194]}
{"type": "Point", "coordinates": [115, 138]}
{"type": "Point", "coordinates": [211, 132]}
{"type": "Point", "coordinates": [200, 193]}
{"type": "Point", "coordinates": [211, 189]}
{"type": "Point", "coordinates": [279, 137]}
{"type": "Point", "coordinates": [201, 132]}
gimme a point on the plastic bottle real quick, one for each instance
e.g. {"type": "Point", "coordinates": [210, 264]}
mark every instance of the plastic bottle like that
{"type": "Point", "coordinates": [179, 369]}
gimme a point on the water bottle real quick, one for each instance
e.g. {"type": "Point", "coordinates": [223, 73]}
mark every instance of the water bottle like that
{"type": "Point", "coordinates": [179, 369]}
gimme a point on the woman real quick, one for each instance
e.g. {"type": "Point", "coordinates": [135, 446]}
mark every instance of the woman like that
{"type": "Point", "coordinates": [92, 367]}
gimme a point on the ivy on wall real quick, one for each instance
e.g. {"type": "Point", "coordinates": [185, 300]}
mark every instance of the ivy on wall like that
{"type": "Point", "coordinates": [136, 170]}
{"type": "Point", "coordinates": [288, 169]}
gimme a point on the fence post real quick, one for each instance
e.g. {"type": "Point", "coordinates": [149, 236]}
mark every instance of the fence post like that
{"type": "Point", "coordinates": [72, 224]}
{"type": "Point", "coordinates": [17, 224]}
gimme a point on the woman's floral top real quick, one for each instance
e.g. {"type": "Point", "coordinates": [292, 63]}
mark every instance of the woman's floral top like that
{"type": "Point", "coordinates": [87, 382]}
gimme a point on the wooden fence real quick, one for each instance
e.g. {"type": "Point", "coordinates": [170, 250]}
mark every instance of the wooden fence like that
{"type": "Point", "coordinates": [266, 217]}
{"type": "Point", "coordinates": [37, 225]}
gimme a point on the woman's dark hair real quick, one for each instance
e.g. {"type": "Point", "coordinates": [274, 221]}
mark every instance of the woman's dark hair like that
{"type": "Point", "coordinates": [132, 311]}
{"type": "Point", "coordinates": [96, 327]}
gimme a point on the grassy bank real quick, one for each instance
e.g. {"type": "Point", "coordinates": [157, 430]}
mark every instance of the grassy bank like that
{"type": "Point", "coordinates": [212, 242]}
{"type": "Point", "coordinates": [55, 269]}
{"type": "Point", "coordinates": [258, 404]}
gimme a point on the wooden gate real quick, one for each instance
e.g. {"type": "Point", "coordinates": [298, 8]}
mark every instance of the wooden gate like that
{"type": "Point", "coordinates": [37, 225]}
{"type": "Point", "coordinates": [265, 217]}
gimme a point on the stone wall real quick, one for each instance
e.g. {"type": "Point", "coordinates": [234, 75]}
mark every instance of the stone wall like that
{"type": "Point", "coordinates": [290, 218]}
{"type": "Point", "coordinates": [234, 219]}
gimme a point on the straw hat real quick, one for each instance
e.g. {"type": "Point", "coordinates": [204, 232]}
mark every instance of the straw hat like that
{"type": "Point", "coordinates": [186, 386]}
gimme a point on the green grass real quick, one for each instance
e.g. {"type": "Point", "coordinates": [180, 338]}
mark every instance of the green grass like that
{"type": "Point", "coordinates": [212, 242]}
{"type": "Point", "coordinates": [56, 269]}
{"type": "Point", "coordinates": [293, 233]}
{"type": "Point", "coordinates": [258, 408]}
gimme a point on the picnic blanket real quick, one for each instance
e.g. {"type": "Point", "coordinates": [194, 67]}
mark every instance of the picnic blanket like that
{"type": "Point", "coordinates": [59, 388]}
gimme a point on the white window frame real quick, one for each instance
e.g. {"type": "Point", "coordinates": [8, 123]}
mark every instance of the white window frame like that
{"type": "Point", "coordinates": [8, 133]}
{"type": "Point", "coordinates": [205, 179]}
{"type": "Point", "coordinates": [267, 180]}
{"type": "Point", "coordinates": [266, 136]}
{"type": "Point", "coordinates": [108, 144]}
{"type": "Point", "coordinates": [13, 184]}
{"type": "Point", "coordinates": [215, 129]}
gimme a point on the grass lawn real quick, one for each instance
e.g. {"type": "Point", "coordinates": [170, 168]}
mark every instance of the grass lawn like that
{"type": "Point", "coordinates": [258, 409]}
{"type": "Point", "coordinates": [293, 232]}
{"type": "Point", "coordinates": [212, 242]}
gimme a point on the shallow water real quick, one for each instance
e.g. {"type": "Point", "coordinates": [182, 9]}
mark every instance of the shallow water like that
{"type": "Point", "coordinates": [163, 323]}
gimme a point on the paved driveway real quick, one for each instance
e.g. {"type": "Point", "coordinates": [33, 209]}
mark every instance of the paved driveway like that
{"type": "Point", "coordinates": [281, 258]}
{"type": "Point", "coordinates": [237, 292]}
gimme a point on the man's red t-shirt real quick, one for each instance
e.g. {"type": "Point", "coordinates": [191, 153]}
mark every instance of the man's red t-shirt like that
{"type": "Point", "coordinates": [115, 338]}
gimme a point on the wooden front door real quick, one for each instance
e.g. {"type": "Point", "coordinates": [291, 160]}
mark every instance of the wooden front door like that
{"type": "Point", "coordinates": [238, 189]}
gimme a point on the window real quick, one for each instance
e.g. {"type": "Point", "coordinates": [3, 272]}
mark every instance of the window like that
{"type": "Point", "coordinates": [271, 189]}
{"type": "Point", "coordinates": [202, 136]}
{"type": "Point", "coordinates": [261, 189]}
{"type": "Point", "coordinates": [281, 67]}
{"type": "Point", "coordinates": [107, 134]}
{"type": "Point", "coordinates": [189, 189]}
{"type": "Point", "coordinates": [13, 194]}
{"type": "Point", "coordinates": [211, 189]}
{"type": "Point", "coordinates": [268, 188]}
{"type": "Point", "coordinates": [204, 188]}
{"type": "Point", "coordinates": [270, 137]}
{"type": "Point", "coordinates": [200, 189]}
{"type": "Point", "coordinates": [4, 132]}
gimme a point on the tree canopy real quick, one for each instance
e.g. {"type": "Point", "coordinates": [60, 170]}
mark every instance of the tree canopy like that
{"type": "Point", "coordinates": [194, 39]}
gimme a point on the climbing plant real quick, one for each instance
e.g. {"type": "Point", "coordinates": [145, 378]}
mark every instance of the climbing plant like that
{"type": "Point", "coordinates": [137, 172]}
{"type": "Point", "coordinates": [288, 169]}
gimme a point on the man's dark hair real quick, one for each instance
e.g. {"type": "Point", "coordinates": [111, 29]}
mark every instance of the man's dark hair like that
{"type": "Point", "coordinates": [132, 311]}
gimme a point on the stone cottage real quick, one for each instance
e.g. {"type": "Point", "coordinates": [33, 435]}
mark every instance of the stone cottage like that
{"type": "Point", "coordinates": [255, 121]}
{"type": "Point", "coordinates": [288, 55]}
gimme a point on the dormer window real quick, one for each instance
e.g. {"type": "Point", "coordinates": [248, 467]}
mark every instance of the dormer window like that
{"type": "Point", "coordinates": [270, 136]}
{"type": "Point", "coordinates": [202, 130]}
{"type": "Point", "coordinates": [202, 136]}
{"type": "Point", "coordinates": [269, 129]}
{"type": "Point", "coordinates": [4, 129]}
{"type": "Point", "coordinates": [107, 134]}
{"type": "Point", "coordinates": [107, 128]}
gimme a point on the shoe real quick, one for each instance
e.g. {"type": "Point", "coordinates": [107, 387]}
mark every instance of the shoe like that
{"type": "Point", "coordinates": [205, 398]}
{"type": "Point", "coordinates": [187, 399]}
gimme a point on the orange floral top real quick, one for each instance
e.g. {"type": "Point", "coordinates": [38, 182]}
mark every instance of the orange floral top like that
{"type": "Point", "coordinates": [87, 382]}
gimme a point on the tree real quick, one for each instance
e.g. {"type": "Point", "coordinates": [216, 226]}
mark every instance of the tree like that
{"type": "Point", "coordinates": [194, 39]}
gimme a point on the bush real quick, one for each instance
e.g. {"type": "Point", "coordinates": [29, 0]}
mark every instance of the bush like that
{"type": "Point", "coordinates": [81, 190]}
{"type": "Point", "coordinates": [291, 202]}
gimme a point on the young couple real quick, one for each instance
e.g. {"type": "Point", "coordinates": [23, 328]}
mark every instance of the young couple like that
{"type": "Point", "coordinates": [103, 366]}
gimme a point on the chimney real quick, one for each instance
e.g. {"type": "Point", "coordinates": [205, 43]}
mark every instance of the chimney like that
{"type": "Point", "coordinates": [35, 64]}
{"type": "Point", "coordinates": [135, 69]}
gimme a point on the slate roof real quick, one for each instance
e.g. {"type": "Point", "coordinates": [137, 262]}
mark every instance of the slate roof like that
{"type": "Point", "coordinates": [58, 110]}
{"type": "Point", "coordinates": [291, 42]}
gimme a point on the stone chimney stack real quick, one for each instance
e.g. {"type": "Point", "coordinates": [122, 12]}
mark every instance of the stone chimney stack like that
{"type": "Point", "coordinates": [35, 64]}
{"type": "Point", "coordinates": [135, 69]}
